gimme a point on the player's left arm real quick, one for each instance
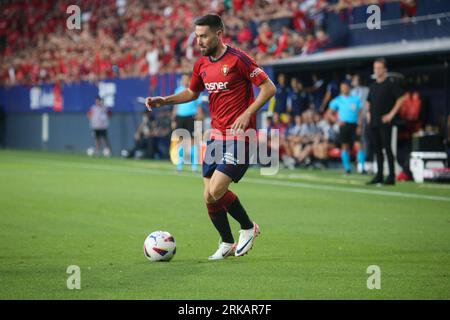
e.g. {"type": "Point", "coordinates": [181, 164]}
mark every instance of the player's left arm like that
{"type": "Point", "coordinates": [267, 91]}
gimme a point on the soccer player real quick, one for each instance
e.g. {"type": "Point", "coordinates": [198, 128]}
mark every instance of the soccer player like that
{"type": "Point", "coordinates": [227, 74]}
{"type": "Point", "coordinates": [348, 109]}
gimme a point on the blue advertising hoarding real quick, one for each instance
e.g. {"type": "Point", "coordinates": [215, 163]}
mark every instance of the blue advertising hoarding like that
{"type": "Point", "coordinates": [118, 94]}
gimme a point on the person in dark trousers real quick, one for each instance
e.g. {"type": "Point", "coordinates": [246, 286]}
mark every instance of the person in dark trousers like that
{"type": "Point", "coordinates": [384, 101]}
{"type": "Point", "coordinates": [281, 96]}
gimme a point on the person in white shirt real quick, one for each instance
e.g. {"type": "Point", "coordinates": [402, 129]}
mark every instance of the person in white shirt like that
{"type": "Point", "coordinates": [99, 116]}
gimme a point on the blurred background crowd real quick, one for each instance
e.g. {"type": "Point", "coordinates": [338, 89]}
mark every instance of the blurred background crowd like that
{"type": "Point", "coordinates": [136, 38]}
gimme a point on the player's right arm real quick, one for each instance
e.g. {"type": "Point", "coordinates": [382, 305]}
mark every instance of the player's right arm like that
{"type": "Point", "coordinates": [195, 88]}
{"type": "Point", "coordinates": [178, 98]}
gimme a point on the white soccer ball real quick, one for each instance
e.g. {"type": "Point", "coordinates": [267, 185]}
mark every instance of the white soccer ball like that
{"type": "Point", "coordinates": [159, 246]}
{"type": "Point", "coordinates": [106, 152]}
{"type": "Point", "coordinates": [90, 151]}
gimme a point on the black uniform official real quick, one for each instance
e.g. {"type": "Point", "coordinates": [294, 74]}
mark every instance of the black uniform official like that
{"type": "Point", "coordinates": [383, 98]}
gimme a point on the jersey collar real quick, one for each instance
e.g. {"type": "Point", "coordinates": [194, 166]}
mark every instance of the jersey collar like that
{"type": "Point", "coordinates": [223, 54]}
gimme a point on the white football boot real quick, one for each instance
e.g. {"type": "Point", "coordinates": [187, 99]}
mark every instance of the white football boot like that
{"type": "Point", "coordinates": [225, 250]}
{"type": "Point", "coordinates": [246, 239]}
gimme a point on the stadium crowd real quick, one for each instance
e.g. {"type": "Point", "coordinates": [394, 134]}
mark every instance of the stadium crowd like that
{"type": "Point", "coordinates": [309, 135]}
{"type": "Point", "coordinates": [310, 130]}
{"type": "Point", "coordinates": [136, 38]}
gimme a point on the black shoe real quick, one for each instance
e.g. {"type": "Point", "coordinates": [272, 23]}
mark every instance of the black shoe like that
{"type": "Point", "coordinates": [390, 181]}
{"type": "Point", "coordinates": [375, 180]}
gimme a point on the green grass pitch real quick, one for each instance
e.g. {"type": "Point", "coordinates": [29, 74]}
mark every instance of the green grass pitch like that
{"type": "Point", "coordinates": [320, 232]}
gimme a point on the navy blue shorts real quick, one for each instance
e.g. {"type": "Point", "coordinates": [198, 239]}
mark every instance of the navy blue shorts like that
{"type": "Point", "coordinates": [228, 156]}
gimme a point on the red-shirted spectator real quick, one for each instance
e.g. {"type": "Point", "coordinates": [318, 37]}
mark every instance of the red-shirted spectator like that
{"type": "Point", "coordinates": [300, 20]}
{"type": "Point", "coordinates": [408, 7]}
{"type": "Point", "coordinates": [245, 35]}
{"type": "Point", "coordinates": [264, 37]}
{"type": "Point", "coordinates": [322, 40]}
{"type": "Point", "coordinates": [283, 42]}
{"type": "Point", "coordinates": [311, 43]}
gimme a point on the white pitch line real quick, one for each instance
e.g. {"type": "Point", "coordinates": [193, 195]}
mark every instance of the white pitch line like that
{"type": "Point", "coordinates": [345, 189]}
{"type": "Point", "coordinates": [165, 172]}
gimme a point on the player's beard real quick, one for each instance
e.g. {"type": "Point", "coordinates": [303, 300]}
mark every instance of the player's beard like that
{"type": "Point", "coordinates": [210, 51]}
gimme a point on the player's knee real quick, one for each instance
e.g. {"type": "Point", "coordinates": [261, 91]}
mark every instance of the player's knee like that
{"type": "Point", "coordinates": [207, 197]}
{"type": "Point", "coordinates": [216, 192]}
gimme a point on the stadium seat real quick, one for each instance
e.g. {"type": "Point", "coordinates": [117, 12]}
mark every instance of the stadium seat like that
{"type": "Point", "coordinates": [337, 29]}
{"type": "Point", "coordinates": [391, 11]}
{"type": "Point", "coordinates": [432, 7]}
{"type": "Point", "coordinates": [335, 153]}
{"type": "Point", "coordinates": [359, 14]}
{"type": "Point", "coordinates": [398, 32]}
{"type": "Point", "coordinates": [277, 24]}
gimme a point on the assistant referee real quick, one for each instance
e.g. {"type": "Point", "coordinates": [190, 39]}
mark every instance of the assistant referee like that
{"type": "Point", "coordinates": [184, 116]}
{"type": "Point", "coordinates": [348, 109]}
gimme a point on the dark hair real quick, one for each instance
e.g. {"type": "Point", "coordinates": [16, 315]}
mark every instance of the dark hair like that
{"type": "Point", "coordinates": [214, 21]}
{"type": "Point", "coordinates": [347, 82]}
{"type": "Point", "coordinates": [361, 80]}
{"type": "Point", "coordinates": [381, 60]}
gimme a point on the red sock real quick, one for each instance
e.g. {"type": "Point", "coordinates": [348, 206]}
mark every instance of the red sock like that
{"type": "Point", "coordinates": [214, 208]}
{"type": "Point", "coordinates": [218, 216]}
{"type": "Point", "coordinates": [227, 199]}
{"type": "Point", "coordinates": [231, 203]}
